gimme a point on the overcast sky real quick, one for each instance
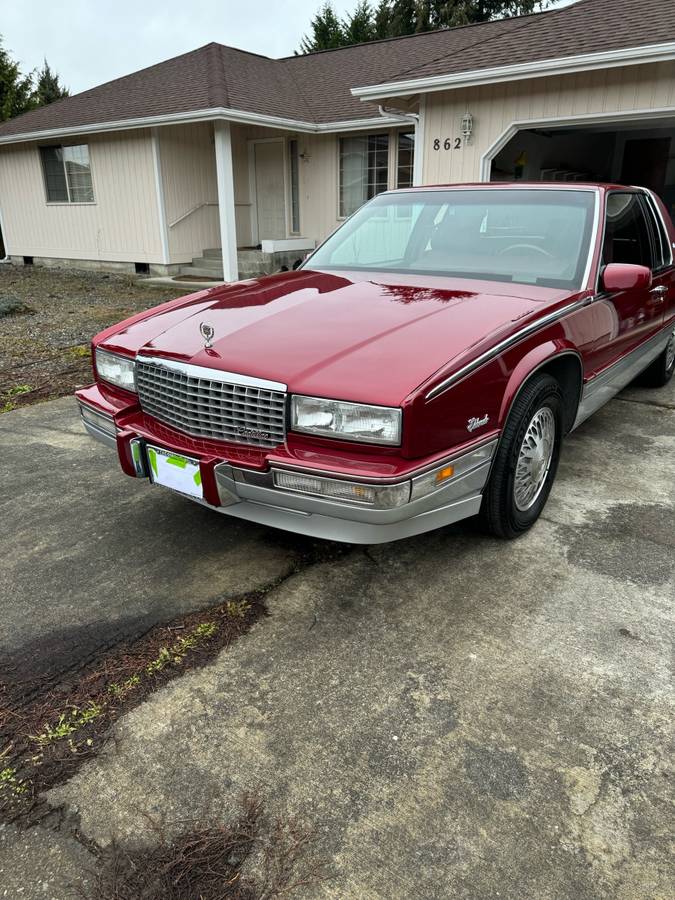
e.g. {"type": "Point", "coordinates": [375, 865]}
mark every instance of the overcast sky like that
{"type": "Point", "coordinates": [89, 42]}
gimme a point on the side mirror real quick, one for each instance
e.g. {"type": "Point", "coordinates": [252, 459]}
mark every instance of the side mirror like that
{"type": "Point", "coordinates": [625, 277]}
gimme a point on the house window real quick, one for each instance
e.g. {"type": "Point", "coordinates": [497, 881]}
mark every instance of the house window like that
{"type": "Point", "coordinates": [364, 170]}
{"type": "Point", "coordinates": [295, 187]}
{"type": "Point", "coordinates": [67, 174]}
{"type": "Point", "coordinates": [405, 159]}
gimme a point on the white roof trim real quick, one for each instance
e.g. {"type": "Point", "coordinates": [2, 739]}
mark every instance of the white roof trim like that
{"type": "Point", "coordinates": [558, 66]}
{"type": "Point", "coordinates": [205, 115]}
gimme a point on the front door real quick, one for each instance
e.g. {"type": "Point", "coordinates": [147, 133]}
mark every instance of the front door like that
{"type": "Point", "coordinates": [270, 200]}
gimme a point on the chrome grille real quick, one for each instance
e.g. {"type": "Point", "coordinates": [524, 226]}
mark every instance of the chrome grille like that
{"type": "Point", "coordinates": [206, 406]}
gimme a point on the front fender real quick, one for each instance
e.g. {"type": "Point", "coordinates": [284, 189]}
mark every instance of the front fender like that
{"type": "Point", "coordinates": [549, 355]}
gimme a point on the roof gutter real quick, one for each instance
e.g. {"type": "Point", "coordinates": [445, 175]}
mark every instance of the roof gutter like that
{"type": "Point", "coordinates": [389, 113]}
{"type": "Point", "coordinates": [206, 115]}
{"type": "Point", "coordinates": [627, 56]}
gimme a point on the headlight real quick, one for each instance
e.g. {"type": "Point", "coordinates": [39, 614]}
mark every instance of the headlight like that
{"type": "Point", "coordinates": [347, 421]}
{"type": "Point", "coordinates": [118, 370]}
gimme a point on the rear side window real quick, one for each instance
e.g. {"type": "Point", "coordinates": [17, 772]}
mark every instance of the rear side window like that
{"type": "Point", "coordinates": [627, 232]}
{"type": "Point", "coordinates": [661, 242]}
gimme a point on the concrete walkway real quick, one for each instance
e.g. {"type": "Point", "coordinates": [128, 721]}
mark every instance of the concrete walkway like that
{"type": "Point", "coordinates": [454, 716]}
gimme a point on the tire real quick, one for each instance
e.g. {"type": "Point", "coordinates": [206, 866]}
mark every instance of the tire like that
{"type": "Point", "coordinates": [661, 370]}
{"type": "Point", "coordinates": [508, 510]}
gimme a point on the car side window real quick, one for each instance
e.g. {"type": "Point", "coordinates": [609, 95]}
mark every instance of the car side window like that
{"type": "Point", "coordinates": [659, 238]}
{"type": "Point", "coordinates": [627, 235]}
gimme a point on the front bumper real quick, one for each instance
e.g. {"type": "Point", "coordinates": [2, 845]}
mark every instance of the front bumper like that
{"type": "Point", "coordinates": [254, 495]}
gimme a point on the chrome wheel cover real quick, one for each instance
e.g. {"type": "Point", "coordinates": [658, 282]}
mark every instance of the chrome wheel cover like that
{"type": "Point", "coordinates": [534, 459]}
{"type": "Point", "coordinates": [670, 353]}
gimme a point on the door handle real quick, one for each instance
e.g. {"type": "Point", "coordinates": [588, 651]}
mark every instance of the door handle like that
{"type": "Point", "coordinates": [659, 293]}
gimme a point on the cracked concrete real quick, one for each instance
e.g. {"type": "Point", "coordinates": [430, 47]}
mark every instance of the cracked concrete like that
{"type": "Point", "coordinates": [455, 716]}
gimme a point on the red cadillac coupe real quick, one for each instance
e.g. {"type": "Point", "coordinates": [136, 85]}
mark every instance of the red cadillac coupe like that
{"type": "Point", "coordinates": [423, 365]}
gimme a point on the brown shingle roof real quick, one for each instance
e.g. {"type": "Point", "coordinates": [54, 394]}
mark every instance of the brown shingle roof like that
{"type": "Point", "coordinates": [589, 26]}
{"type": "Point", "coordinates": [316, 88]}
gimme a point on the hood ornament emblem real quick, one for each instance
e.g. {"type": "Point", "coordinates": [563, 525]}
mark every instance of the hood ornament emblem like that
{"type": "Point", "coordinates": [207, 331]}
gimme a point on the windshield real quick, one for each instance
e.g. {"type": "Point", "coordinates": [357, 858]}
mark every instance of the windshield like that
{"type": "Point", "coordinates": [539, 237]}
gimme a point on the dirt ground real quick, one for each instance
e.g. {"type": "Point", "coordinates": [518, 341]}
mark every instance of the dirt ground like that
{"type": "Point", "coordinates": [44, 344]}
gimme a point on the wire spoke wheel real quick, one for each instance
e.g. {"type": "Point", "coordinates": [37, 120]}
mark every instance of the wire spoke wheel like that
{"type": "Point", "coordinates": [534, 459]}
{"type": "Point", "coordinates": [670, 353]}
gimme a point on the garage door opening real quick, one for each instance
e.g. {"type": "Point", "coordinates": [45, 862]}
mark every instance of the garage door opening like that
{"type": "Point", "coordinates": [640, 153]}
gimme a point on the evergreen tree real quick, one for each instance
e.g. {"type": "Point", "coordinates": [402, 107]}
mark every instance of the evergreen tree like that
{"type": "Point", "coordinates": [326, 31]}
{"type": "Point", "coordinates": [394, 18]}
{"type": "Point", "coordinates": [403, 17]}
{"type": "Point", "coordinates": [16, 90]}
{"type": "Point", "coordinates": [359, 27]}
{"type": "Point", "coordinates": [48, 87]}
{"type": "Point", "coordinates": [382, 27]}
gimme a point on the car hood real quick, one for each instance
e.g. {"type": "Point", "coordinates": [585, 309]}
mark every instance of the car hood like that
{"type": "Point", "coordinates": [335, 335]}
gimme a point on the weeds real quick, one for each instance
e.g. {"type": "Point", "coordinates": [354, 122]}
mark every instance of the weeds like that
{"type": "Point", "coordinates": [7, 401]}
{"type": "Point", "coordinates": [176, 652]}
{"type": "Point", "coordinates": [68, 723]}
{"type": "Point", "coordinates": [237, 608]}
{"type": "Point", "coordinates": [79, 351]}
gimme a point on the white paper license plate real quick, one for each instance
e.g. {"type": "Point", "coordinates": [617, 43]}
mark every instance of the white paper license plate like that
{"type": "Point", "coordinates": [180, 473]}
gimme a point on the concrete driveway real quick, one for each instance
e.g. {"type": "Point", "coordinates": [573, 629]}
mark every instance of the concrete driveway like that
{"type": "Point", "coordinates": [453, 716]}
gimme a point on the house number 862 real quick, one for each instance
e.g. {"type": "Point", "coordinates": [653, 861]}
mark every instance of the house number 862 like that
{"type": "Point", "coordinates": [448, 143]}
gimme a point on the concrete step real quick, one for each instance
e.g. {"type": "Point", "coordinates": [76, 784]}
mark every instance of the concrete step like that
{"type": "Point", "coordinates": [208, 262]}
{"type": "Point", "coordinates": [252, 255]}
{"type": "Point", "coordinates": [213, 251]}
{"type": "Point", "coordinates": [203, 272]}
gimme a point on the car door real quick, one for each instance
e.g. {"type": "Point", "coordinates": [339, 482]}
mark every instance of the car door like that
{"type": "Point", "coordinates": [635, 314]}
{"type": "Point", "coordinates": [662, 292]}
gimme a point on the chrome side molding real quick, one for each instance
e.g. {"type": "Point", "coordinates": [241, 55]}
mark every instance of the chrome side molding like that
{"type": "Point", "coordinates": [506, 344]}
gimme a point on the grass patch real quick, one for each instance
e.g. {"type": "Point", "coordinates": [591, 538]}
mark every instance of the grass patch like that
{"type": "Point", "coordinates": [79, 351]}
{"type": "Point", "coordinates": [9, 399]}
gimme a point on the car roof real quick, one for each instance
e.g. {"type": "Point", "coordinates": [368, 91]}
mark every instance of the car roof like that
{"type": "Point", "coordinates": [520, 185]}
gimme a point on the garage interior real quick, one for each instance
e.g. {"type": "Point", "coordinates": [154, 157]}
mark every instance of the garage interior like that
{"type": "Point", "coordinates": [642, 153]}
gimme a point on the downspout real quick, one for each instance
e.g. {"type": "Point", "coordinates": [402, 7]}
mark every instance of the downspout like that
{"type": "Point", "coordinates": [418, 124]}
{"type": "Point", "coordinates": [388, 113]}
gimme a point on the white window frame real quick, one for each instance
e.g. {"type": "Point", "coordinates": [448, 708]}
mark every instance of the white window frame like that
{"type": "Point", "coordinates": [69, 201]}
{"type": "Point", "coordinates": [392, 158]}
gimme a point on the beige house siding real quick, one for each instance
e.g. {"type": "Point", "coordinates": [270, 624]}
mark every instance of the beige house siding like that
{"type": "Point", "coordinates": [121, 225]}
{"type": "Point", "coordinates": [495, 107]}
{"type": "Point", "coordinates": [188, 167]}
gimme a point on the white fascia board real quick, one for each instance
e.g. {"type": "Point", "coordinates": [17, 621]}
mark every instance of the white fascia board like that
{"type": "Point", "coordinates": [651, 53]}
{"type": "Point", "coordinates": [206, 115]}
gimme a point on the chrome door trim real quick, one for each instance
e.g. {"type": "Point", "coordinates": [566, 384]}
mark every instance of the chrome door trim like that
{"type": "Point", "coordinates": [506, 344]}
{"type": "Point", "coordinates": [212, 374]}
{"type": "Point", "coordinates": [656, 209]}
{"type": "Point", "coordinates": [594, 239]}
